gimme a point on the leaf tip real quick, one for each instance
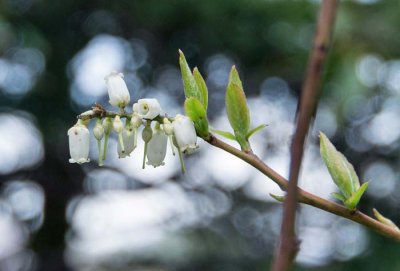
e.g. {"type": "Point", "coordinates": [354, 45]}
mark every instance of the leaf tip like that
{"type": "Point", "coordinates": [277, 198]}
{"type": "Point", "coordinates": [322, 136]}
{"type": "Point", "coordinates": [234, 71]}
{"type": "Point", "coordinates": [384, 220]}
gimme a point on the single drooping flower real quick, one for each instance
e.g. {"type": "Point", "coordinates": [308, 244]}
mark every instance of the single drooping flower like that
{"type": "Point", "coordinates": [147, 108]}
{"type": "Point", "coordinates": [78, 137]}
{"type": "Point", "coordinates": [157, 148]}
{"type": "Point", "coordinates": [185, 134]}
{"type": "Point", "coordinates": [117, 90]}
{"type": "Point", "coordinates": [129, 140]}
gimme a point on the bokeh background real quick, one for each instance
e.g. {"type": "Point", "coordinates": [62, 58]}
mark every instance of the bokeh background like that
{"type": "Point", "coordinates": [219, 215]}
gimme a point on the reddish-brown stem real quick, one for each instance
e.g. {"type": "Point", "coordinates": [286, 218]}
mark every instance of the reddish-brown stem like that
{"type": "Point", "coordinates": [288, 244]}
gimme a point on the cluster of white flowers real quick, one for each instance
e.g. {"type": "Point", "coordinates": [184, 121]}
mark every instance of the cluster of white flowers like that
{"type": "Point", "coordinates": [157, 129]}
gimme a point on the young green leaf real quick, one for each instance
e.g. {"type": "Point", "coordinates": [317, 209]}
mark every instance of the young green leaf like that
{"type": "Point", "coordinates": [237, 110]}
{"type": "Point", "coordinates": [352, 201]}
{"type": "Point", "coordinates": [342, 172]}
{"type": "Point", "coordinates": [234, 77]}
{"type": "Point", "coordinates": [338, 196]}
{"type": "Point", "coordinates": [255, 130]}
{"type": "Point", "coordinates": [189, 83]}
{"type": "Point", "coordinates": [384, 220]}
{"type": "Point", "coordinates": [225, 134]}
{"type": "Point", "coordinates": [277, 198]}
{"type": "Point", "coordinates": [201, 84]}
{"type": "Point", "coordinates": [194, 109]}
{"type": "Point", "coordinates": [238, 114]}
{"type": "Point", "coordinates": [196, 112]}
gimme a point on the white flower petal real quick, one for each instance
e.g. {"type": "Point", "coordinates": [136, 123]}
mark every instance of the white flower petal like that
{"type": "Point", "coordinates": [147, 108]}
{"type": "Point", "coordinates": [78, 137]}
{"type": "Point", "coordinates": [157, 149]}
{"type": "Point", "coordinates": [185, 134]}
{"type": "Point", "coordinates": [129, 138]}
{"type": "Point", "coordinates": [117, 90]}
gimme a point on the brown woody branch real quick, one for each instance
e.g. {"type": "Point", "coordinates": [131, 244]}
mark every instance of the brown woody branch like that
{"type": "Point", "coordinates": [288, 245]}
{"type": "Point", "coordinates": [306, 197]}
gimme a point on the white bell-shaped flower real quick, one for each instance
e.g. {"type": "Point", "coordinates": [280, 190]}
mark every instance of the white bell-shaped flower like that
{"type": "Point", "coordinates": [78, 137]}
{"type": "Point", "coordinates": [147, 108]}
{"type": "Point", "coordinates": [117, 90]}
{"type": "Point", "coordinates": [185, 134]}
{"type": "Point", "coordinates": [157, 148]}
{"type": "Point", "coordinates": [129, 140]}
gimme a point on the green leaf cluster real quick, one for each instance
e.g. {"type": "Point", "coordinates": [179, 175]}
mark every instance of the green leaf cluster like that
{"type": "Point", "coordinates": [196, 104]}
{"type": "Point", "coordinates": [196, 94]}
{"type": "Point", "coordinates": [342, 173]}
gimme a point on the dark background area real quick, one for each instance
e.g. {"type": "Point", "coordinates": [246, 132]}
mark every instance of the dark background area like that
{"type": "Point", "coordinates": [53, 57]}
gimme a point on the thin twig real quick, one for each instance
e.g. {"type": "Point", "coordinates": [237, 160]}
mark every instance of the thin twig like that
{"type": "Point", "coordinates": [99, 112]}
{"type": "Point", "coordinates": [306, 197]}
{"type": "Point", "coordinates": [288, 245]}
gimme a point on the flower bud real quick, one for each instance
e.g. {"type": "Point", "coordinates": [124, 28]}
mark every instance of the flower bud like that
{"type": "Point", "coordinates": [78, 137]}
{"type": "Point", "coordinates": [98, 130]}
{"type": "Point", "coordinates": [118, 126]}
{"type": "Point", "coordinates": [117, 90]}
{"type": "Point", "coordinates": [136, 120]}
{"type": "Point", "coordinates": [185, 134]}
{"type": "Point", "coordinates": [147, 133]}
{"type": "Point", "coordinates": [168, 127]}
{"type": "Point", "coordinates": [147, 108]}
{"type": "Point", "coordinates": [107, 125]}
{"type": "Point", "coordinates": [157, 148]}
